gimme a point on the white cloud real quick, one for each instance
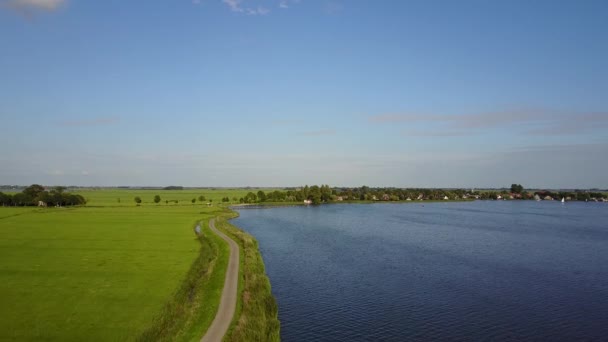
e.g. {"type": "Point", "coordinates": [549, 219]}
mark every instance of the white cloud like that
{"type": "Point", "coordinates": [234, 5]}
{"type": "Point", "coordinates": [285, 4]}
{"type": "Point", "coordinates": [257, 11]}
{"type": "Point", "coordinates": [29, 5]}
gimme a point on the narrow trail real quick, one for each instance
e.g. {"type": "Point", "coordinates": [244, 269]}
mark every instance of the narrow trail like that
{"type": "Point", "coordinates": [227, 307]}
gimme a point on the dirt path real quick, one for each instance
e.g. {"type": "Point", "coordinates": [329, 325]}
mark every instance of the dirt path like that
{"type": "Point", "coordinates": [225, 312]}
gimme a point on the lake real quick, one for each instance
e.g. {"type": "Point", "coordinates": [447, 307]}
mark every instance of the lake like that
{"type": "Point", "coordinates": [484, 270]}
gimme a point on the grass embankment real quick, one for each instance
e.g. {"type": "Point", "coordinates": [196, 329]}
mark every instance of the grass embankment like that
{"type": "Point", "coordinates": [256, 317]}
{"type": "Point", "coordinates": [190, 311]}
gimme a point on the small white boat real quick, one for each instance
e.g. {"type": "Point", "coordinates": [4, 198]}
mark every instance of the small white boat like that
{"type": "Point", "coordinates": [563, 200]}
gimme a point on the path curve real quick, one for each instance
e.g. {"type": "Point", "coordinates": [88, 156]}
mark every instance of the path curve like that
{"type": "Point", "coordinates": [227, 307]}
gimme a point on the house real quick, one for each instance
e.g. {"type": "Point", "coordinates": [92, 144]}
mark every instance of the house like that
{"type": "Point", "coordinates": [548, 198]}
{"type": "Point", "coordinates": [499, 197]}
{"type": "Point", "coordinates": [446, 198]}
{"type": "Point", "coordinates": [408, 199]}
{"type": "Point", "coordinates": [385, 197]}
{"type": "Point", "coordinates": [421, 196]}
{"type": "Point", "coordinates": [41, 204]}
{"type": "Point", "coordinates": [307, 201]}
{"type": "Point", "coordinates": [339, 199]}
{"type": "Point", "coordinates": [536, 197]}
{"type": "Point", "coordinates": [374, 198]}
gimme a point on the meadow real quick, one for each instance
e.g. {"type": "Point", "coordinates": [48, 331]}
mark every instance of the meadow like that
{"type": "Point", "coordinates": [112, 270]}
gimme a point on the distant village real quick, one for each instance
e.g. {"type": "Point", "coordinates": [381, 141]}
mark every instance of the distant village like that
{"type": "Point", "coordinates": [324, 194]}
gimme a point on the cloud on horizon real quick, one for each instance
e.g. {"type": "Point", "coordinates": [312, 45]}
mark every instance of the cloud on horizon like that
{"type": "Point", "coordinates": [101, 121]}
{"type": "Point", "coordinates": [319, 133]}
{"type": "Point", "coordinates": [524, 122]}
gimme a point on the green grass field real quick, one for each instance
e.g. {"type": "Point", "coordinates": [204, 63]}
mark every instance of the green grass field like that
{"type": "Point", "coordinates": [109, 271]}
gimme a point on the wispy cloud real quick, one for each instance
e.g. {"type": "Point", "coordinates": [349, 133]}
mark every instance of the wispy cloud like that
{"type": "Point", "coordinates": [524, 122]}
{"type": "Point", "coordinates": [34, 5]}
{"type": "Point", "coordinates": [257, 11]}
{"type": "Point", "coordinates": [318, 133]}
{"type": "Point", "coordinates": [101, 121]}
{"type": "Point", "coordinates": [444, 133]}
{"type": "Point", "coordinates": [234, 5]}
{"type": "Point", "coordinates": [237, 6]}
{"type": "Point", "coordinates": [285, 4]}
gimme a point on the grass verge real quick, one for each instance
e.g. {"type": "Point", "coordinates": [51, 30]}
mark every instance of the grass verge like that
{"type": "Point", "coordinates": [256, 318]}
{"type": "Point", "coordinates": [191, 310]}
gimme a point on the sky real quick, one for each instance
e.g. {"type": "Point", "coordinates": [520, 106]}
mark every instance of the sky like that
{"type": "Point", "coordinates": [292, 92]}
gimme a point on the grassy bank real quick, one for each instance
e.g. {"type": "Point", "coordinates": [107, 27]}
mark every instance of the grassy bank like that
{"type": "Point", "coordinates": [189, 313]}
{"type": "Point", "coordinates": [256, 318]}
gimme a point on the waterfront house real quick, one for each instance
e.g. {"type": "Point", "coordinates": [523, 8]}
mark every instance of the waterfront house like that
{"type": "Point", "coordinates": [307, 201]}
{"type": "Point", "coordinates": [446, 198]}
{"type": "Point", "coordinates": [385, 197]}
{"type": "Point", "coordinates": [548, 198]}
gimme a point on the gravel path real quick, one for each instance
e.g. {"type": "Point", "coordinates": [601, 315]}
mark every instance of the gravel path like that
{"type": "Point", "coordinates": [225, 312]}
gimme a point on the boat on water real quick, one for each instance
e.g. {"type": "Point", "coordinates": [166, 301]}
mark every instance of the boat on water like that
{"type": "Point", "coordinates": [563, 200]}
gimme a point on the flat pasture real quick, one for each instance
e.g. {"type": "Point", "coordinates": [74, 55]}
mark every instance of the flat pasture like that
{"type": "Point", "coordinates": [94, 273]}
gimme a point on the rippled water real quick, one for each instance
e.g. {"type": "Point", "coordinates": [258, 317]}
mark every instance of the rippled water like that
{"type": "Point", "coordinates": [449, 271]}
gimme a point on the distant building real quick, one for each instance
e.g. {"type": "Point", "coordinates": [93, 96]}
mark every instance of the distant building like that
{"type": "Point", "coordinates": [446, 198]}
{"type": "Point", "coordinates": [548, 198]}
{"type": "Point", "coordinates": [385, 197]}
{"type": "Point", "coordinates": [307, 201]}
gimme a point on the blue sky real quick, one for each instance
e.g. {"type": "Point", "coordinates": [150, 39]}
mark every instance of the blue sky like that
{"type": "Point", "coordinates": [286, 92]}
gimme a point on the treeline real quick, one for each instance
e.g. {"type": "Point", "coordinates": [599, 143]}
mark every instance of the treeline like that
{"type": "Point", "coordinates": [37, 195]}
{"type": "Point", "coordinates": [324, 194]}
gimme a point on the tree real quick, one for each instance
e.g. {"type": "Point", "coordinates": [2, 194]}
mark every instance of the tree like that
{"type": "Point", "coordinates": [234, 199]}
{"type": "Point", "coordinates": [193, 200]}
{"type": "Point", "coordinates": [166, 201]}
{"type": "Point", "coordinates": [261, 196]}
{"type": "Point", "coordinates": [201, 198]}
{"type": "Point", "coordinates": [517, 188]}
{"type": "Point", "coordinates": [156, 199]}
{"type": "Point", "coordinates": [137, 200]}
{"type": "Point", "coordinates": [33, 191]}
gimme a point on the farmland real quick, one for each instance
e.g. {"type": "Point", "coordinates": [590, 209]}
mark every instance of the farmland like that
{"type": "Point", "coordinates": [109, 270]}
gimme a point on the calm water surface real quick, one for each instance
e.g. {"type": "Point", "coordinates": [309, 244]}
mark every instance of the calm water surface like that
{"type": "Point", "coordinates": [449, 271]}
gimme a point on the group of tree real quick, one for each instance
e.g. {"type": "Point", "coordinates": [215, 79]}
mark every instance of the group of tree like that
{"type": "Point", "coordinates": [36, 194]}
{"type": "Point", "coordinates": [157, 199]}
{"type": "Point", "coordinates": [324, 194]}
